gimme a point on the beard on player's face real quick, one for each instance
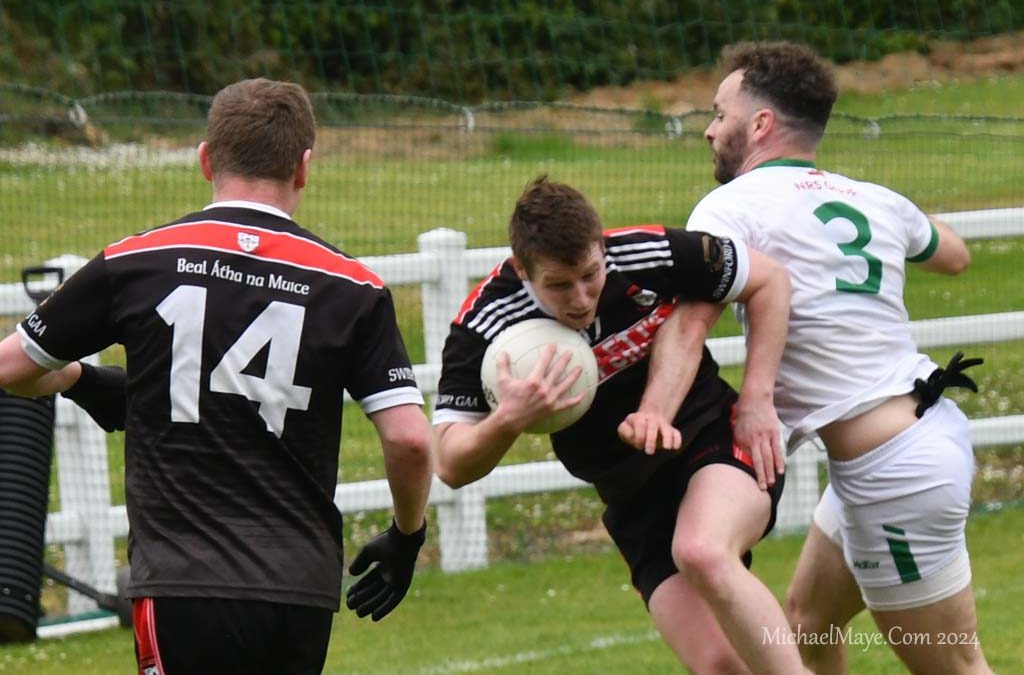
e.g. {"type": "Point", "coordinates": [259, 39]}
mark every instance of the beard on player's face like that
{"type": "Point", "coordinates": [730, 151]}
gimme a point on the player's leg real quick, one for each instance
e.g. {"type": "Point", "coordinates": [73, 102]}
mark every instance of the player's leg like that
{"type": "Point", "coordinates": [905, 513]}
{"type": "Point", "coordinates": [938, 638]}
{"type": "Point", "coordinates": [694, 634]}
{"type": "Point", "coordinates": [823, 596]}
{"type": "Point", "coordinates": [212, 636]}
{"type": "Point", "coordinates": [642, 530]}
{"type": "Point", "coordinates": [723, 515]}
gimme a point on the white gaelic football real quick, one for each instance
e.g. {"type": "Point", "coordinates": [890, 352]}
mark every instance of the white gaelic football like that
{"type": "Point", "coordinates": [525, 343]}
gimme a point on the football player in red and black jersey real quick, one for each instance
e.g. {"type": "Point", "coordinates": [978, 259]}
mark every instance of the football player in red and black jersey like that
{"type": "Point", "coordinates": [690, 485]}
{"type": "Point", "coordinates": [242, 332]}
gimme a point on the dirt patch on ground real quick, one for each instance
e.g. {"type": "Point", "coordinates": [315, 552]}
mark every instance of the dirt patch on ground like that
{"type": "Point", "coordinates": [944, 62]}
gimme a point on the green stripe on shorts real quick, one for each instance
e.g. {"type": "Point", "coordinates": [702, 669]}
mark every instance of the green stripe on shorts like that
{"type": "Point", "coordinates": [901, 555]}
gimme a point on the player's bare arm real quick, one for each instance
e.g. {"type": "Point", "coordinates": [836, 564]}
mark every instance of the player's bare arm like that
{"type": "Point", "coordinates": [757, 430]}
{"type": "Point", "coordinates": [675, 358]}
{"type": "Point", "coordinates": [405, 441]}
{"type": "Point", "coordinates": [22, 376]}
{"type": "Point", "coordinates": [468, 452]}
{"type": "Point", "coordinates": [951, 255]}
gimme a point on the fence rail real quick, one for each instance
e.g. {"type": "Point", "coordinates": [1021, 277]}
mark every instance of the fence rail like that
{"type": "Point", "coordinates": [444, 267]}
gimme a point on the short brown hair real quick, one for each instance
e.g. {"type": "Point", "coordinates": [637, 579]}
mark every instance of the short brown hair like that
{"type": "Point", "coordinates": [791, 77]}
{"type": "Point", "coordinates": [260, 128]}
{"type": "Point", "coordinates": [553, 220]}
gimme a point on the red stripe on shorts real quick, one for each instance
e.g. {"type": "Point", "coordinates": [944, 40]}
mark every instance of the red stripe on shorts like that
{"type": "Point", "coordinates": [742, 456]}
{"type": "Point", "coordinates": [738, 453]}
{"type": "Point", "coordinates": [144, 621]}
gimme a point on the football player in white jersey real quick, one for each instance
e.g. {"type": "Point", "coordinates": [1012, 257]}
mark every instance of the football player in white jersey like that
{"type": "Point", "coordinates": [889, 532]}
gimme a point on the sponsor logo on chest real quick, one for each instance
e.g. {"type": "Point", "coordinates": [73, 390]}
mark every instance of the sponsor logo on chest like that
{"type": "Point", "coordinates": [621, 350]}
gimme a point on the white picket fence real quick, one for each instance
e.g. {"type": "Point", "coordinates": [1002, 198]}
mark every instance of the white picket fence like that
{"type": "Point", "coordinates": [87, 523]}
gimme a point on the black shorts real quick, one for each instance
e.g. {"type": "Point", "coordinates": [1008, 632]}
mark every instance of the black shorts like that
{"type": "Point", "coordinates": [642, 529]}
{"type": "Point", "coordinates": [218, 636]}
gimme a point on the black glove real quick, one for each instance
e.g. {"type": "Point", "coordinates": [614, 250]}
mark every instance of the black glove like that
{"type": "Point", "coordinates": [386, 584]}
{"type": "Point", "coordinates": [101, 393]}
{"type": "Point", "coordinates": [928, 392]}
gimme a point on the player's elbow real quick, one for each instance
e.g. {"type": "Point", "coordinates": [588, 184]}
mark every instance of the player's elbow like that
{"type": "Point", "coordinates": [411, 447]}
{"type": "Point", "coordinates": [450, 477]}
{"type": "Point", "coordinates": [961, 261]}
{"type": "Point", "coordinates": [951, 261]}
{"type": "Point", "coordinates": [448, 471]}
{"type": "Point", "coordinates": [457, 460]}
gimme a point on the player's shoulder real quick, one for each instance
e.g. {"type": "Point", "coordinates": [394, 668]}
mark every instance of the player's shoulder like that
{"type": "Point", "coordinates": [631, 244]}
{"type": "Point", "coordinates": [736, 196]}
{"type": "Point", "coordinates": [259, 237]}
{"type": "Point", "coordinates": [500, 295]}
{"type": "Point", "coordinates": [862, 187]}
{"type": "Point", "coordinates": [628, 233]}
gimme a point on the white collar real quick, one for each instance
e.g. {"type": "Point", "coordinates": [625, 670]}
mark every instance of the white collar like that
{"type": "Point", "coordinates": [244, 204]}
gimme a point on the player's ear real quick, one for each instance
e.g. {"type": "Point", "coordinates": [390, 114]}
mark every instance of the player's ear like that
{"type": "Point", "coordinates": [203, 153]}
{"type": "Point", "coordinates": [519, 268]}
{"type": "Point", "coordinates": [302, 170]}
{"type": "Point", "coordinates": [762, 122]}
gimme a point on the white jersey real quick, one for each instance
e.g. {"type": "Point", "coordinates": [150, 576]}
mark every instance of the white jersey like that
{"type": "Point", "coordinates": [844, 243]}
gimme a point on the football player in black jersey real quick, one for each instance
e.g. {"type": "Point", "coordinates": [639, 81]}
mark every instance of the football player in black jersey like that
{"type": "Point", "coordinates": [242, 333]}
{"type": "Point", "coordinates": [690, 485]}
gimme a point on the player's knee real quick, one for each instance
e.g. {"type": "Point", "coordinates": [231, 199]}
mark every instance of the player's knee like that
{"type": "Point", "coordinates": [798, 610]}
{"type": "Point", "coordinates": [717, 660]}
{"type": "Point", "coordinates": [703, 563]}
{"type": "Point", "coordinates": [810, 618]}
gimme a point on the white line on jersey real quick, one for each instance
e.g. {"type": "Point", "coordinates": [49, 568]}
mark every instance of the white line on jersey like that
{"type": "Point", "coordinates": [495, 314]}
{"type": "Point", "coordinates": [644, 255]}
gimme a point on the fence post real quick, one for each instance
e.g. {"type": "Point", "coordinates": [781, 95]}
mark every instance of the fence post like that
{"type": "Point", "coordinates": [461, 520]}
{"type": "Point", "coordinates": [462, 525]}
{"type": "Point", "coordinates": [442, 295]}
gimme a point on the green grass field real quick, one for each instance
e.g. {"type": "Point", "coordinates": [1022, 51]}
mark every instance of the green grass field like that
{"type": "Point", "coordinates": [566, 614]}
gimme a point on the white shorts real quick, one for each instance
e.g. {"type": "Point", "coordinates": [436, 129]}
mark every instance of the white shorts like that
{"type": "Point", "coordinates": [899, 512]}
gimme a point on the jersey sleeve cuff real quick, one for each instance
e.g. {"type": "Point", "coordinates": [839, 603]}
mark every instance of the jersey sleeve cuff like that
{"type": "Point", "coordinates": [929, 250]}
{"type": "Point", "coordinates": [739, 282]}
{"type": "Point", "coordinates": [40, 356]}
{"type": "Point", "coordinates": [391, 398]}
{"type": "Point", "coordinates": [447, 415]}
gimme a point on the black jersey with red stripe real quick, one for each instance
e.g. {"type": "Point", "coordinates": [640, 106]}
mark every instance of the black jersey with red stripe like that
{"type": "Point", "coordinates": [242, 332]}
{"type": "Point", "coordinates": [649, 269]}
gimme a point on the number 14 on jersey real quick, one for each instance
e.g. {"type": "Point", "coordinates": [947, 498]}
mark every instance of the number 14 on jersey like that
{"type": "Point", "coordinates": [279, 325]}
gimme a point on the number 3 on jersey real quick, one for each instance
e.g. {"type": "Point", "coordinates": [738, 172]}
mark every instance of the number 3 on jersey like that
{"type": "Point", "coordinates": [828, 212]}
{"type": "Point", "coordinates": [280, 325]}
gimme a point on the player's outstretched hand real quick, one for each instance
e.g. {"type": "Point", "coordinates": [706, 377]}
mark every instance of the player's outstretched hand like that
{"type": "Point", "coordinates": [100, 391]}
{"type": "Point", "coordinates": [383, 587]}
{"type": "Point", "coordinates": [650, 432]}
{"type": "Point", "coordinates": [758, 431]}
